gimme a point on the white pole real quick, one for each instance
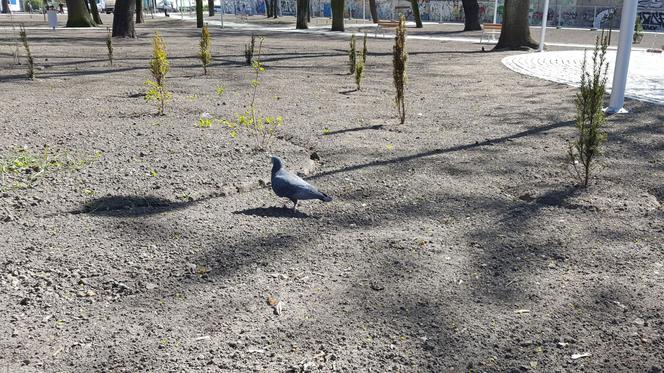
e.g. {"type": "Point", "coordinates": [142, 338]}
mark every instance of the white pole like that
{"type": "Point", "coordinates": [495, 12]}
{"type": "Point", "coordinates": [545, 18]}
{"type": "Point", "coordinates": [627, 20]}
{"type": "Point", "coordinates": [222, 13]}
{"type": "Point", "coordinates": [364, 10]}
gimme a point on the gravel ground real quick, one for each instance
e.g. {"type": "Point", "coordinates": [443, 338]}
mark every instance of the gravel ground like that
{"type": "Point", "coordinates": [456, 242]}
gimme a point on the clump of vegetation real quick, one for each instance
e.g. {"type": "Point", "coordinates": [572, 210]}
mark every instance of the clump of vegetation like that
{"type": "Point", "coordinates": [261, 128]}
{"type": "Point", "coordinates": [399, 64]}
{"type": "Point", "coordinates": [589, 114]}
{"type": "Point", "coordinates": [205, 54]}
{"type": "Point", "coordinates": [364, 49]}
{"type": "Point", "coordinates": [359, 70]}
{"type": "Point", "coordinates": [249, 50]}
{"type": "Point", "coordinates": [24, 168]}
{"type": "Point", "coordinates": [31, 63]}
{"type": "Point", "coordinates": [219, 90]}
{"type": "Point", "coordinates": [638, 30]}
{"type": "Point", "coordinates": [352, 55]}
{"type": "Point", "coordinates": [109, 45]}
{"type": "Point", "coordinates": [159, 67]}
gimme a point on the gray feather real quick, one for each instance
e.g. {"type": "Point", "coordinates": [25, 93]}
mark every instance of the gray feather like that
{"type": "Point", "coordinates": [288, 185]}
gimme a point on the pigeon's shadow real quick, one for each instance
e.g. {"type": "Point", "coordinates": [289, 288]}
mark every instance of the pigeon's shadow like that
{"type": "Point", "coordinates": [274, 212]}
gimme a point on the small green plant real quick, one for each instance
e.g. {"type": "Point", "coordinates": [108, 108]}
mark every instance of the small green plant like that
{"type": "Point", "coordinates": [249, 50]}
{"type": "Point", "coordinates": [219, 90]}
{"type": "Point", "coordinates": [359, 71]}
{"type": "Point", "coordinates": [400, 56]}
{"type": "Point", "coordinates": [638, 30]}
{"type": "Point", "coordinates": [261, 128]}
{"type": "Point", "coordinates": [109, 45]}
{"type": "Point", "coordinates": [205, 120]}
{"type": "Point", "coordinates": [159, 67]}
{"type": "Point", "coordinates": [205, 54]}
{"type": "Point", "coordinates": [364, 49]}
{"type": "Point", "coordinates": [326, 131]}
{"type": "Point", "coordinates": [31, 63]}
{"type": "Point", "coordinates": [24, 168]}
{"type": "Point", "coordinates": [589, 115]}
{"type": "Point", "coordinates": [352, 55]}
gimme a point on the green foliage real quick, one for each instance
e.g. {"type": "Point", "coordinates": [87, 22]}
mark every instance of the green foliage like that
{"type": "Point", "coordinates": [205, 120]}
{"type": "Point", "coordinates": [219, 90]}
{"type": "Point", "coordinates": [352, 55]}
{"type": "Point", "coordinates": [159, 67]}
{"type": "Point", "coordinates": [205, 54]}
{"type": "Point", "coordinates": [31, 63]}
{"type": "Point", "coordinates": [589, 115]}
{"type": "Point", "coordinates": [249, 50]}
{"type": "Point", "coordinates": [24, 168]}
{"type": "Point", "coordinates": [364, 49]}
{"type": "Point", "coordinates": [638, 31]}
{"type": "Point", "coordinates": [400, 56]}
{"type": "Point", "coordinates": [359, 70]}
{"type": "Point", "coordinates": [109, 45]}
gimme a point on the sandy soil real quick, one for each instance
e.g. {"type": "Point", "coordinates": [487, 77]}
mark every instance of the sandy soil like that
{"type": "Point", "coordinates": [456, 242]}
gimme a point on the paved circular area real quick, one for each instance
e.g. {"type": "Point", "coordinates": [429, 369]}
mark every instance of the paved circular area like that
{"type": "Point", "coordinates": [645, 80]}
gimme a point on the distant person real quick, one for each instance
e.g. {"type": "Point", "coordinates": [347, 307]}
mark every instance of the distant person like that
{"type": "Point", "coordinates": [29, 8]}
{"type": "Point", "coordinates": [166, 4]}
{"type": "Point", "coordinates": [62, 8]}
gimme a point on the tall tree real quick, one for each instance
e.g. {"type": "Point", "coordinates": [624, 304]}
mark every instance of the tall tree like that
{"type": "Point", "coordinates": [95, 12]}
{"type": "Point", "coordinates": [123, 18]}
{"type": "Point", "coordinates": [374, 10]}
{"type": "Point", "coordinates": [471, 15]}
{"type": "Point", "coordinates": [139, 11]}
{"type": "Point", "coordinates": [338, 15]}
{"type": "Point", "coordinates": [5, 7]}
{"type": "Point", "coordinates": [199, 13]}
{"type": "Point", "coordinates": [302, 14]}
{"type": "Point", "coordinates": [515, 33]}
{"type": "Point", "coordinates": [78, 14]}
{"type": "Point", "coordinates": [211, 8]}
{"type": "Point", "coordinates": [416, 13]}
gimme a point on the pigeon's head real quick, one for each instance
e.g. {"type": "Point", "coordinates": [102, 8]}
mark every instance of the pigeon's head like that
{"type": "Point", "coordinates": [277, 164]}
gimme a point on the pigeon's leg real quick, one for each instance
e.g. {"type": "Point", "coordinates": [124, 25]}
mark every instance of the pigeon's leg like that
{"type": "Point", "coordinates": [294, 204]}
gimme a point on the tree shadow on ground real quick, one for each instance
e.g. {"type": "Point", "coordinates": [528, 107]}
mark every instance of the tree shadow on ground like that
{"type": "Point", "coordinates": [133, 206]}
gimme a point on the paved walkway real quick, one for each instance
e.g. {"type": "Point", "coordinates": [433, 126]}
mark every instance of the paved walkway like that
{"type": "Point", "coordinates": [645, 80]}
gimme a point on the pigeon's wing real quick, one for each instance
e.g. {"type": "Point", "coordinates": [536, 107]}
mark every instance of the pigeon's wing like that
{"type": "Point", "coordinates": [292, 186]}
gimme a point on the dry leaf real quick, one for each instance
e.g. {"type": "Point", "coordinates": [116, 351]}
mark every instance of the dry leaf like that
{"type": "Point", "coordinates": [271, 301]}
{"type": "Point", "coordinates": [579, 356]}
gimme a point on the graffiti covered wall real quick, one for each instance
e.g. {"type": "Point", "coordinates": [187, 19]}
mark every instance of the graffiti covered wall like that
{"type": "Point", "coordinates": [652, 14]}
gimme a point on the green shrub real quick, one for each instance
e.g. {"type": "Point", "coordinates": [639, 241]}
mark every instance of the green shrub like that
{"type": "Point", "coordinates": [159, 67]}
{"type": "Point", "coordinates": [205, 54]}
{"type": "Point", "coordinates": [28, 55]}
{"type": "Point", "coordinates": [400, 56]}
{"type": "Point", "coordinates": [352, 55]}
{"type": "Point", "coordinates": [589, 114]}
{"type": "Point", "coordinates": [359, 70]}
{"type": "Point", "coordinates": [638, 30]}
{"type": "Point", "coordinates": [109, 45]}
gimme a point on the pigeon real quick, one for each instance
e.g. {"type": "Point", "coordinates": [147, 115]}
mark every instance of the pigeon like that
{"type": "Point", "coordinates": [288, 185]}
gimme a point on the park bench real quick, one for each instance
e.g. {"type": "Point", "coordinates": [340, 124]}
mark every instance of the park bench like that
{"type": "Point", "coordinates": [382, 25]}
{"type": "Point", "coordinates": [490, 28]}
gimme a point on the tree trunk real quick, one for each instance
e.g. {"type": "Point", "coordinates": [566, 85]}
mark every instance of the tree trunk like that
{"type": "Point", "coordinates": [515, 33]}
{"type": "Point", "coordinates": [5, 7]}
{"type": "Point", "coordinates": [268, 8]}
{"type": "Point", "coordinates": [471, 15]}
{"type": "Point", "coordinates": [309, 11]}
{"type": "Point", "coordinates": [78, 14]}
{"type": "Point", "coordinates": [416, 13]}
{"type": "Point", "coordinates": [302, 11]}
{"type": "Point", "coordinates": [199, 13]}
{"type": "Point", "coordinates": [123, 19]}
{"type": "Point", "coordinates": [139, 11]}
{"type": "Point", "coordinates": [374, 10]}
{"type": "Point", "coordinates": [211, 8]}
{"type": "Point", "coordinates": [338, 15]}
{"type": "Point", "coordinates": [95, 12]}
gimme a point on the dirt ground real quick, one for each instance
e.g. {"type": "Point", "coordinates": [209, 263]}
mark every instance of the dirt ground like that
{"type": "Point", "coordinates": [455, 242]}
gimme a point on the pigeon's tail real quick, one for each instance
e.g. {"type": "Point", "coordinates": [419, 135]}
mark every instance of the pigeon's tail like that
{"type": "Point", "coordinates": [325, 198]}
